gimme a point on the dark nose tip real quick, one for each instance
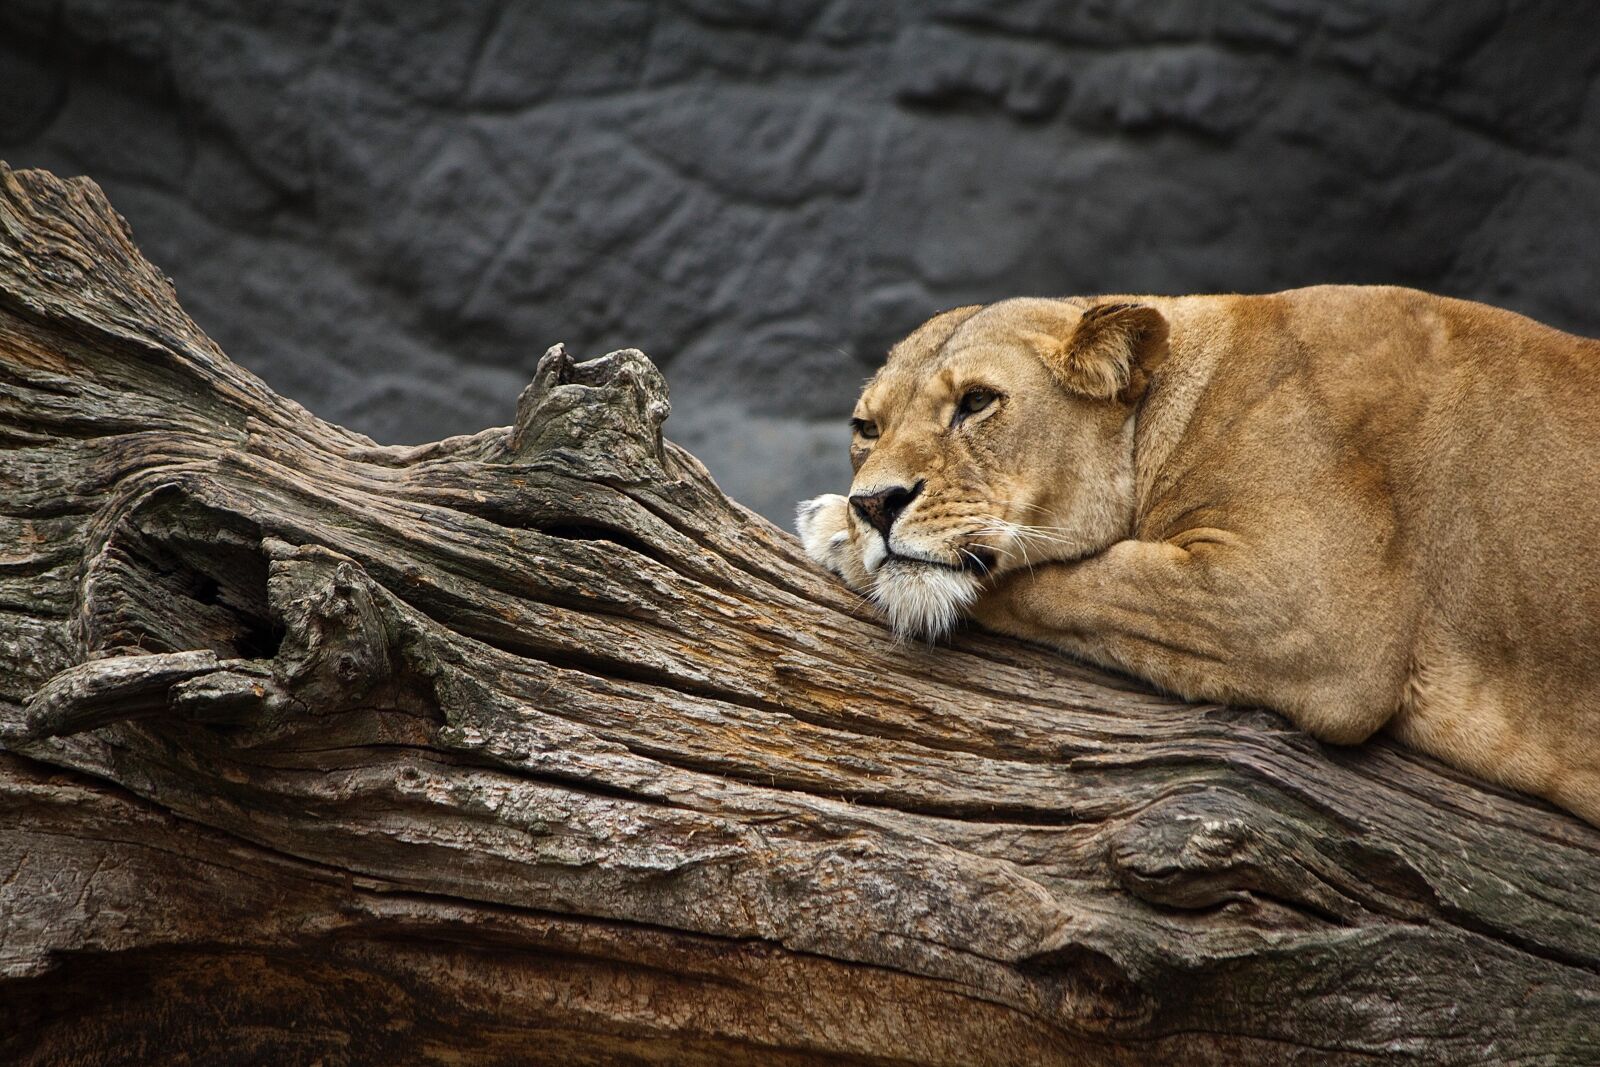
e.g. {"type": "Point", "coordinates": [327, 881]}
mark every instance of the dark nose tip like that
{"type": "Point", "coordinates": [880, 509]}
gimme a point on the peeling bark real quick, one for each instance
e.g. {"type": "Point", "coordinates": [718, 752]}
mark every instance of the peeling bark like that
{"type": "Point", "coordinates": [530, 745]}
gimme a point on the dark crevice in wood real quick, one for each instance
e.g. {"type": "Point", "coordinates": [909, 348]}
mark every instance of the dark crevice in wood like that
{"type": "Point", "coordinates": [64, 507]}
{"type": "Point", "coordinates": [1229, 895]}
{"type": "Point", "coordinates": [172, 591]}
{"type": "Point", "coordinates": [1555, 954]}
{"type": "Point", "coordinates": [613, 535]}
{"type": "Point", "coordinates": [34, 566]}
{"type": "Point", "coordinates": [10, 376]}
{"type": "Point", "coordinates": [569, 527]}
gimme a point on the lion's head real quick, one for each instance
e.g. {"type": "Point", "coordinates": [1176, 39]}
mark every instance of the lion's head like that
{"type": "Point", "coordinates": [993, 439]}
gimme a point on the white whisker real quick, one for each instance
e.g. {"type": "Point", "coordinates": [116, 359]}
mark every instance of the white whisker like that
{"type": "Point", "coordinates": [1048, 540]}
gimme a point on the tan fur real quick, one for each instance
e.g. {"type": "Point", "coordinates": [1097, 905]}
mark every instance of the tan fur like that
{"type": "Point", "coordinates": [1363, 507]}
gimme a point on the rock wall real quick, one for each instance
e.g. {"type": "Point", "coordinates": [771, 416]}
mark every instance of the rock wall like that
{"type": "Point", "coordinates": [388, 210]}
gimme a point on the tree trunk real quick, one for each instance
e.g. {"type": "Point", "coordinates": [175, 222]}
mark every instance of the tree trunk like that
{"type": "Point", "coordinates": [532, 746]}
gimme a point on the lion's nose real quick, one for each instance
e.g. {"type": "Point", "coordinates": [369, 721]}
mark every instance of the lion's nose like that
{"type": "Point", "coordinates": [880, 509]}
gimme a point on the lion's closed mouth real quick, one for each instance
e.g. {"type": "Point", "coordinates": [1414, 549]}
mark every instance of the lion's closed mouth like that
{"type": "Point", "coordinates": [898, 557]}
{"type": "Point", "coordinates": [972, 561]}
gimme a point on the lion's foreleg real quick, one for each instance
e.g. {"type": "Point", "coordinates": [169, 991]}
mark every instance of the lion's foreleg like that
{"type": "Point", "coordinates": [825, 530]}
{"type": "Point", "coordinates": [1203, 624]}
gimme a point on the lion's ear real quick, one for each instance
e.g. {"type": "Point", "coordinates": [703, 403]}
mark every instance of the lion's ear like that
{"type": "Point", "coordinates": [1112, 352]}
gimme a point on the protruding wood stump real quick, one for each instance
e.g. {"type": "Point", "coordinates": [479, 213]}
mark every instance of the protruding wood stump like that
{"type": "Point", "coordinates": [531, 746]}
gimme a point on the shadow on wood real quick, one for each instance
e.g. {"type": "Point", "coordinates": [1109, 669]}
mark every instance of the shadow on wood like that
{"type": "Point", "coordinates": [530, 745]}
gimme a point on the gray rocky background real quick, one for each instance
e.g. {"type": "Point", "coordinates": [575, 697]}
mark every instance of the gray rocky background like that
{"type": "Point", "coordinates": [389, 209]}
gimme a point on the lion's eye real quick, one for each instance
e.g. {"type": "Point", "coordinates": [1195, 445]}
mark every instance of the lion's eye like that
{"type": "Point", "coordinates": [972, 402]}
{"type": "Point", "coordinates": [866, 429]}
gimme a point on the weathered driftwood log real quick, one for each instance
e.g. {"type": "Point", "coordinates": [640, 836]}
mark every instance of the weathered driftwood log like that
{"type": "Point", "coordinates": [530, 745]}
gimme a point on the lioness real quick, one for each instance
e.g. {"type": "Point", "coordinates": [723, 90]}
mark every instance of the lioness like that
{"type": "Point", "coordinates": [1361, 507]}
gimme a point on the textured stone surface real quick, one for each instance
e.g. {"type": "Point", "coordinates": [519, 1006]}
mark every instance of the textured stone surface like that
{"type": "Point", "coordinates": [390, 210]}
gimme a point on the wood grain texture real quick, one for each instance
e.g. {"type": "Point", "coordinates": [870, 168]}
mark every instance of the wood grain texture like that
{"type": "Point", "coordinates": [531, 746]}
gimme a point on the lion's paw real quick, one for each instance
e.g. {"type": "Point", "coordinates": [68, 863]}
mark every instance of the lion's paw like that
{"type": "Point", "coordinates": [823, 523]}
{"type": "Point", "coordinates": [824, 526]}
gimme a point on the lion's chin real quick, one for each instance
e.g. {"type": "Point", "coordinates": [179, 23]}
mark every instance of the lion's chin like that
{"type": "Point", "coordinates": [923, 600]}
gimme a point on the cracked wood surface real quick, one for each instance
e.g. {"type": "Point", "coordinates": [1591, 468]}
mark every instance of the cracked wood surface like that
{"type": "Point", "coordinates": [531, 745]}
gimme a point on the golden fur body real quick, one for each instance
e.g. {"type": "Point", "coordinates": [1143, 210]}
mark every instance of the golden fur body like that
{"type": "Point", "coordinates": [1362, 507]}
